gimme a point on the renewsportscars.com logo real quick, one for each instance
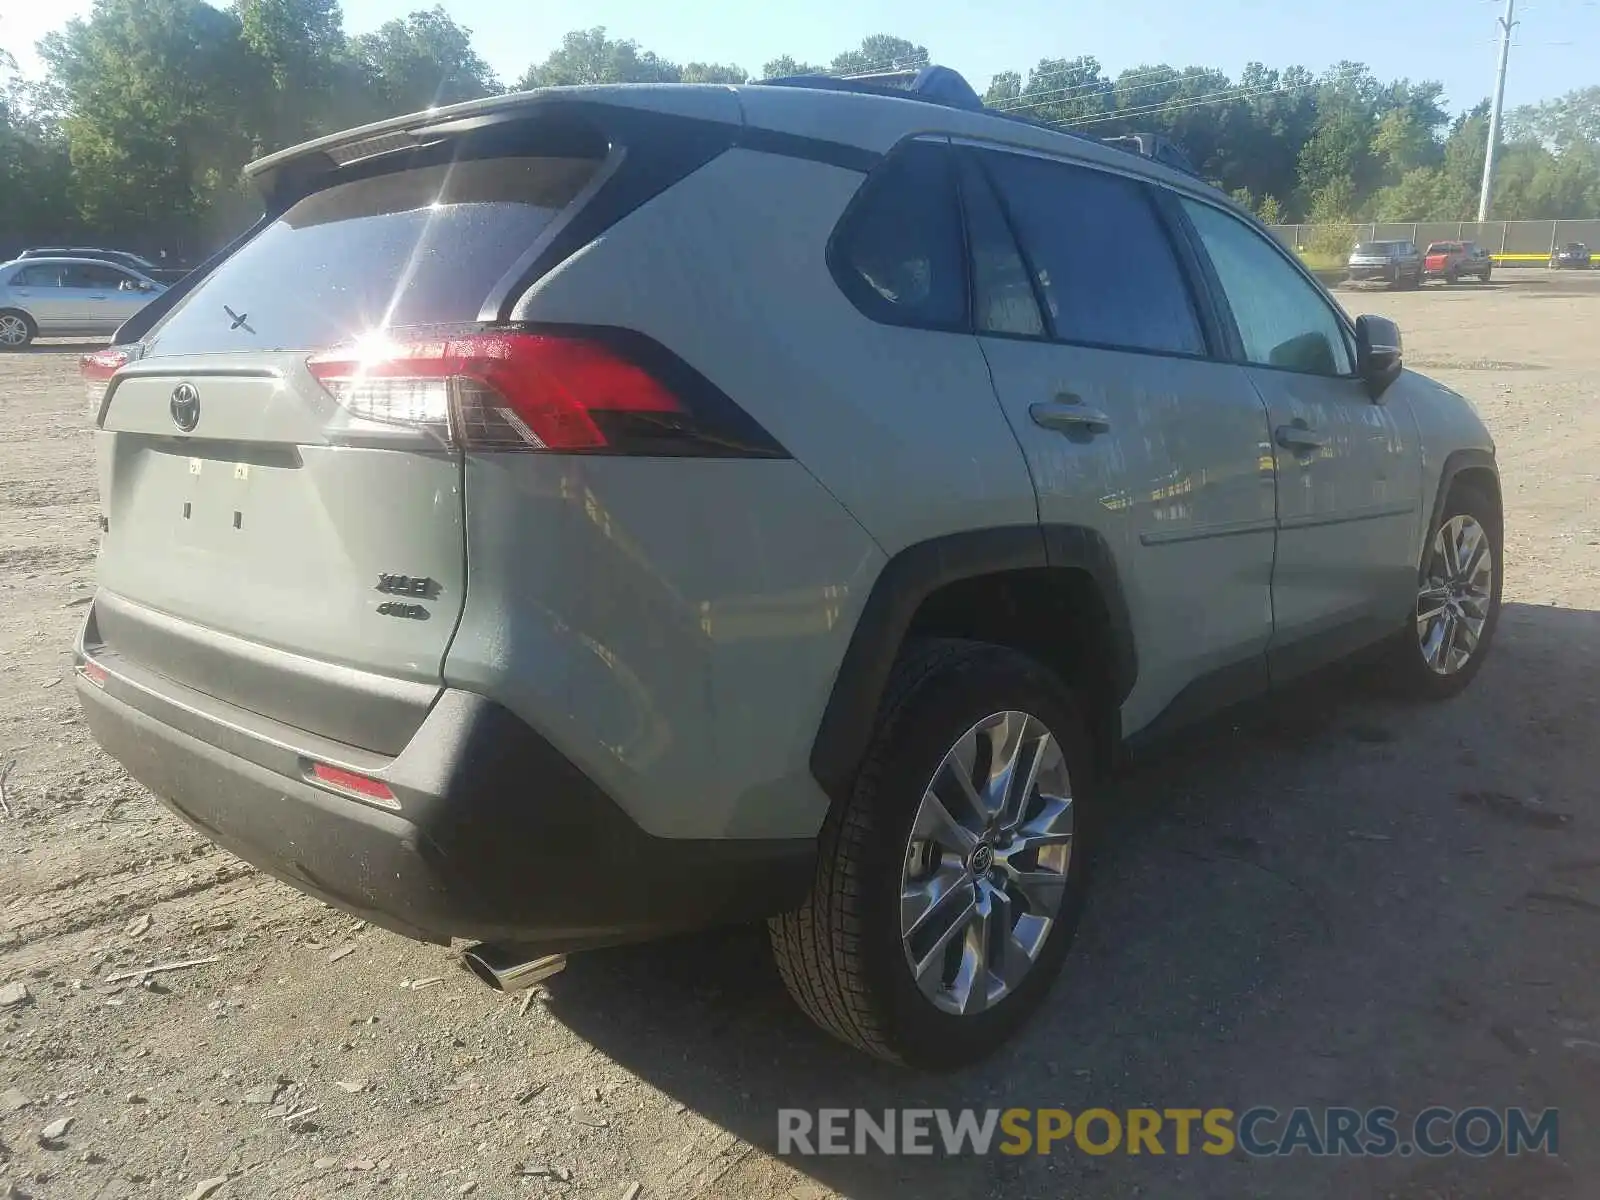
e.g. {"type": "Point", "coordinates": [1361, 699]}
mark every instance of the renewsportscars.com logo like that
{"type": "Point", "coordinates": [1259, 1132]}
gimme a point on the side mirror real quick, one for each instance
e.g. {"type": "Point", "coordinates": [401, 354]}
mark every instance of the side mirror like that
{"type": "Point", "coordinates": [1379, 359]}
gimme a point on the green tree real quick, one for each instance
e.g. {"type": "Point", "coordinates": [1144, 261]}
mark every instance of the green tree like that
{"type": "Point", "coordinates": [698, 72]}
{"type": "Point", "coordinates": [297, 45]}
{"type": "Point", "coordinates": [784, 66]}
{"type": "Point", "coordinates": [156, 100]}
{"type": "Point", "coordinates": [879, 52]}
{"type": "Point", "coordinates": [1421, 194]}
{"type": "Point", "coordinates": [1569, 120]}
{"type": "Point", "coordinates": [589, 56]}
{"type": "Point", "coordinates": [35, 171]}
{"type": "Point", "coordinates": [424, 60]}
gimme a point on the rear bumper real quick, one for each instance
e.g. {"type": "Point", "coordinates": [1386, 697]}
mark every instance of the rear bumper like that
{"type": "Point", "coordinates": [1359, 273]}
{"type": "Point", "coordinates": [496, 835]}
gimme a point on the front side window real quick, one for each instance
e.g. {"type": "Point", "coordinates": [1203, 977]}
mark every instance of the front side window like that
{"type": "Point", "coordinates": [94, 277]}
{"type": "Point", "coordinates": [1283, 321]}
{"type": "Point", "coordinates": [1100, 257]}
{"type": "Point", "coordinates": [898, 255]}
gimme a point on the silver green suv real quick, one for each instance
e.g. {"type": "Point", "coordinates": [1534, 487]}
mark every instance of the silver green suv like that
{"type": "Point", "coordinates": [580, 516]}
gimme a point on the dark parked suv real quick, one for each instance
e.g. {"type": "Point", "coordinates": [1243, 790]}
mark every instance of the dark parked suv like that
{"type": "Point", "coordinates": [1396, 263]}
{"type": "Point", "coordinates": [1572, 256]}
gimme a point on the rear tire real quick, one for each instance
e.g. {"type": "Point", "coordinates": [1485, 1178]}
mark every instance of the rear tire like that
{"type": "Point", "coordinates": [899, 883]}
{"type": "Point", "coordinates": [17, 329]}
{"type": "Point", "coordinates": [1444, 643]}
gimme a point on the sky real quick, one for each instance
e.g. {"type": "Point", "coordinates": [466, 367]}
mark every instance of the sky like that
{"type": "Point", "coordinates": [1556, 47]}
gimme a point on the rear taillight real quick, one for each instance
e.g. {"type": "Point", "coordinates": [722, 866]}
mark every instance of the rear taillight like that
{"type": "Point", "coordinates": [97, 370]}
{"type": "Point", "coordinates": [607, 392]}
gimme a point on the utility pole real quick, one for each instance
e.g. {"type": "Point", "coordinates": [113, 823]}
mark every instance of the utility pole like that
{"type": "Point", "coordinates": [1494, 116]}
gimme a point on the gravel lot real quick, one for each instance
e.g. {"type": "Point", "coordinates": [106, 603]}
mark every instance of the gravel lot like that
{"type": "Point", "coordinates": [1333, 901]}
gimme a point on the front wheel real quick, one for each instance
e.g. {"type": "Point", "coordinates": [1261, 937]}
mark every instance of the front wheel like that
{"type": "Point", "coordinates": [1444, 644]}
{"type": "Point", "coordinates": [950, 881]}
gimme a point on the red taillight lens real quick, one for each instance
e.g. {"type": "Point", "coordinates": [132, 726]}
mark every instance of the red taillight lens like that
{"type": "Point", "coordinates": [93, 672]}
{"type": "Point", "coordinates": [97, 370]}
{"type": "Point", "coordinates": [363, 786]}
{"type": "Point", "coordinates": [540, 392]}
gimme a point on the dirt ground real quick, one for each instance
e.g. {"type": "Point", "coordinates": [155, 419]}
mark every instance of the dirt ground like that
{"type": "Point", "coordinates": [1335, 900]}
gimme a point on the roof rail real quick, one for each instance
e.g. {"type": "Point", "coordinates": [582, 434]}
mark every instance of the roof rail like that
{"type": "Point", "coordinates": [1153, 146]}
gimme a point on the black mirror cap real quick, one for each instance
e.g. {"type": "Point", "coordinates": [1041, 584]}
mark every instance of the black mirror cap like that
{"type": "Point", "coordinates": [1379, 354]}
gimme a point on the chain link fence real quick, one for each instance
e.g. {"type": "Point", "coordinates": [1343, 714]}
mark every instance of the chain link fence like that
{"type": "Point", "coordinates": [1508, 241]}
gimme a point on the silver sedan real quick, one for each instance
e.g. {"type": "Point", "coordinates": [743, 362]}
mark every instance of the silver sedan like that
{"type": "Point", "coordinates": [67, 297]}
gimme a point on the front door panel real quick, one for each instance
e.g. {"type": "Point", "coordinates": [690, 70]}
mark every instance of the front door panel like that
{"type": "Point", "coordinates": [1348, 511]}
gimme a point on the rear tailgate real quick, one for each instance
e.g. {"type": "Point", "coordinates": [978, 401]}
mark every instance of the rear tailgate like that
{"type": "Point", "coordinates": [266, 544]}
{"type": "Point", "coordinates": [272, 524]}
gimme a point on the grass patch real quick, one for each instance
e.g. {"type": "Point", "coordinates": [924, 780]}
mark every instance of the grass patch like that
{"type": "Point", "coordinates": [1321, 261]}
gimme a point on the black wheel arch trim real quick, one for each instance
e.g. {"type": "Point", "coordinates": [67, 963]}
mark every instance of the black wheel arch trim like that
{"type": "Point", "coordinates": [1455, 464]}
{"type": "Point", "coordinates": [914, 574]}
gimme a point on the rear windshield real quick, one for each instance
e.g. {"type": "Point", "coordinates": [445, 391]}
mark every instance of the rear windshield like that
{"type": "Point", "coordinates": [1377, 249]}
{"type": "Point", "coordinates": [417, 247]}
{"type": "Point", "coordinates": [1443, 248]}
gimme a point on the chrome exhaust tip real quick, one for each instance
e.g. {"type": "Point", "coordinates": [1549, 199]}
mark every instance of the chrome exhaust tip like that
{"type": "Point", "coordinates": [511, 968]}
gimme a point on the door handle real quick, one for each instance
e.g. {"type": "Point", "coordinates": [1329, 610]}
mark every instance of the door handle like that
{"type": "Point", "coordinates": [1300, 437]}
{"type": "Point", "coordinates": [1067, 414]}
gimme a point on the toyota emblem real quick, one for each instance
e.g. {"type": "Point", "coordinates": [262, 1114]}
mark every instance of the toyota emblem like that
{"type": "Point", "coordinates": [185, 406]}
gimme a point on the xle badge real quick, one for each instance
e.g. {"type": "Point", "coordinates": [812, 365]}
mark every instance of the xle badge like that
{"type": "Point", "coordinates": [408, 585]}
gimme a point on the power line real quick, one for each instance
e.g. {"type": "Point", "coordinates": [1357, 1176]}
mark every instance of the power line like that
{"type": "Point", "coordinates": [1168, 74]}
{"type": "Point", "coordinates": [1214, 98]}
{"type": "Point", "coordinates": [1231, 92]}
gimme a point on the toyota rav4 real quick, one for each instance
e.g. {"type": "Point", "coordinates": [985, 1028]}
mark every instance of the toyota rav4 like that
{"type": "Point", "coordinates": [580, 516]}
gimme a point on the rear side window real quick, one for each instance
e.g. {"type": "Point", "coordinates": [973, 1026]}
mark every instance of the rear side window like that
{"type": "Point", "coordinates": [1283, 321]}
{"type": "Point", "coordinates": [45, 275]}
{"type": "Point", "coordinates": [1100, 257]}
{"type": "Point", "coordinates": [898, 254]}
{"type": "Point", "coordinates": [416, 247]}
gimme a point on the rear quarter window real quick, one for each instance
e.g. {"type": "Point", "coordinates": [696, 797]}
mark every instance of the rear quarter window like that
{"type": "Point", "coordinates": [413, 247]}
{"type": "Point", "coordinates": [898, 254]}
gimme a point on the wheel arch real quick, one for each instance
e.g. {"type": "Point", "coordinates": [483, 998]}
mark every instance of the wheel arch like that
{"type": "Point", "coordinates": [1050, 591]}
{"type": "Point", "coordinates": [1470, 468]}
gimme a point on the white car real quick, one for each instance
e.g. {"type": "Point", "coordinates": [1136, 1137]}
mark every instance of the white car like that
{"type": "Point", "coordinates": [68, 297]}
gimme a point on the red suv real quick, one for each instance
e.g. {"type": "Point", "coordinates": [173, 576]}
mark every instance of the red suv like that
{"type": "Point", "coordinates": [1449, 261]}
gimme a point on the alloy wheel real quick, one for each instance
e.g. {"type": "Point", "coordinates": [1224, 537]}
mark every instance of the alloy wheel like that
{"type": "Point", "coordinates": [986, 863]}
{"type": "Point", "coordinates": [1457, 591]}
{"type": "Point", "coordinates": [13, 330]}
